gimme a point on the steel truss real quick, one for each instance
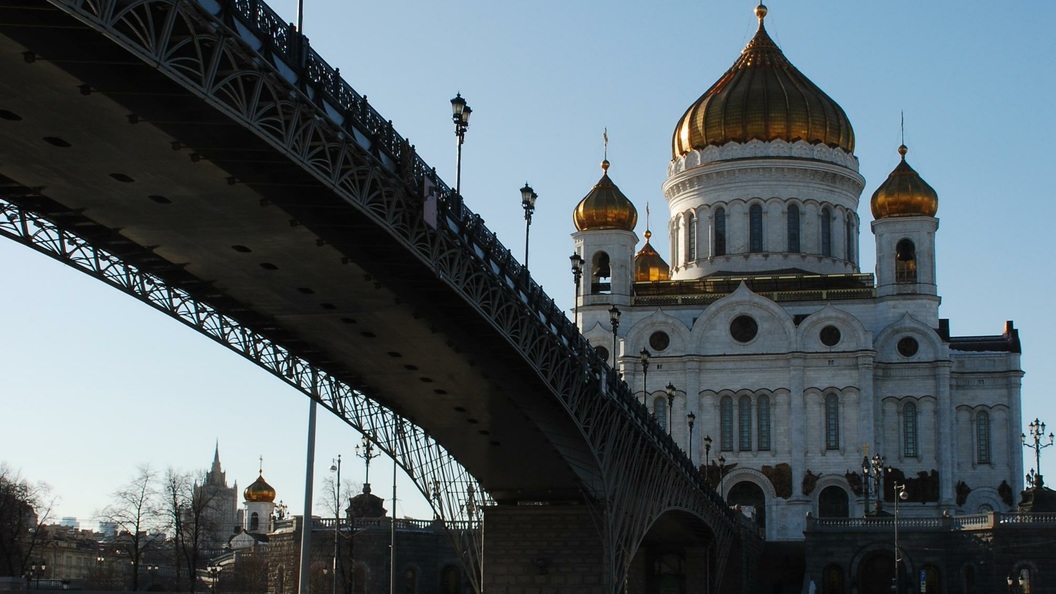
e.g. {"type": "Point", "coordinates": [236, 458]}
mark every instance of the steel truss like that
{"type": "Point", "coordinates": [242, 59]}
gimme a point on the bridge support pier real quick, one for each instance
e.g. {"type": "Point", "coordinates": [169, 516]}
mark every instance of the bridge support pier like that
{"type": "Point", "coordinates": [543, 548]}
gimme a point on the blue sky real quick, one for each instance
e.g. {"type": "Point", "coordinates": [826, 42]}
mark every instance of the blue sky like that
{"type": "Point", "coordinates": [96, 383]}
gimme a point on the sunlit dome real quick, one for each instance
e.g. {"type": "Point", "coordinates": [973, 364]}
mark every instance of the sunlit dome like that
{"type": "Point", "coordinates": [762, 97]}
{"type": "Point", "coordinates": [605, 207]}
{"type": "Point", "coordinates": [904, 193]}
{"type": "Point", "coordinates": [648, 265]}
{"type": "Point", "coordinates": [259, 491]}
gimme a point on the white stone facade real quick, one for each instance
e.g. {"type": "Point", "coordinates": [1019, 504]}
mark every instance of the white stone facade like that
{"type": "Point", "coordinates": [839, 366]}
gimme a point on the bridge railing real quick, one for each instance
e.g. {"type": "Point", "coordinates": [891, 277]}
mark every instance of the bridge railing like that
{"type": "Point", "coordinates": [321, 83]}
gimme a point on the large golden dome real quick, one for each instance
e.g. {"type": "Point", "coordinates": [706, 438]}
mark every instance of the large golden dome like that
{"type": "Point", "coordinates": [648, 265]}
{"type": "Point", "coordinates": [259, 491]}
{"type": "Point", "coordinates": [762, 97]}
{"type": "Point", "coordinates": [605, 207]}
{"type": "Point", "coordinates": [904, 193]}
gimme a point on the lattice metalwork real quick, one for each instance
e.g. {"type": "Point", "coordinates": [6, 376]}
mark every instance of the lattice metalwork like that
{"type": "Point", "coordinates": [452, 491]}
{"type": "Point", "coordinates": [240, 57]}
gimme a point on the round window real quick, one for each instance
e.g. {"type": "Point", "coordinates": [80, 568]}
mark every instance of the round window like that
{"type": "Point", "coordinates": [907, 346]}
{"type": "Point", "coordinates": [744, 328]}
{"type": "Point", "coordinates": [659, 341]}
{"type": "Point", "coordinates": [603, 353]}
{"type": "Point", "coordinates": [830, 336]}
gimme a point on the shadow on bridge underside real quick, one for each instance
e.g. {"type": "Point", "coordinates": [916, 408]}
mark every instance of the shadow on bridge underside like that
{"type": "Point", "coordinates": [201, 146]}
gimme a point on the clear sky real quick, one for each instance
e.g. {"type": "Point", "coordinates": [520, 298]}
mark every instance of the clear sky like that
{"type": "Point", "coordinates": [95, 383]}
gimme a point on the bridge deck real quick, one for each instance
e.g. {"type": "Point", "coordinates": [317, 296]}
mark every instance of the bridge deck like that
{"type": "Point", "coordinates": [144, 167]}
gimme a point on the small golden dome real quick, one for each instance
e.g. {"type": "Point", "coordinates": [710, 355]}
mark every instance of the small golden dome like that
{"type": "Point", "coordinates": [904, 193]}
{"type": "Point", "coordinates": [259, 491]}
{"type": "Point", "coordinates": [648, 265]}
{"type": "Point", "coordinates": [762, 97]}
{"type": "Point", "coordinates": [605, 207]}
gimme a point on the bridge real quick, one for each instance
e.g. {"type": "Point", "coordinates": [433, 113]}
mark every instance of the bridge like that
{"type": "Point", "coordinates": [200, 157]}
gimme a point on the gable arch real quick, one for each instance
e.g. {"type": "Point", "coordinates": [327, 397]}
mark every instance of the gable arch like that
{"type": "Point", "coordinates": [853, 334]}
{"type": "Point", "coordinates": [929, 346]}
{"type": "Point", "coordinates": [775, 330]}
{"type": "Point", "coordinates": [639, 334]}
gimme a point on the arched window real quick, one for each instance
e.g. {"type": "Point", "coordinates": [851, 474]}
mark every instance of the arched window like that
{"type": "Point", "coordinates": [254, 522]}
{"type": "Point", "coordinates": [280, 581]}
{"type": "Point", "coordinates": [832, 422]}
{"type": "Point", "coordinates": [452, 580]}
{"type": "Point", "coordinates": [932, 580]}
{"type": "Point", "coordinates": [793, 229]}
{"type": "Point", "coordinates": [660, 410]}
{"type": "Point", "coordinates": [909, 430]}
{"type": "Point", "coordinates": [832, 580]}
{"type": "Point", "coordinates": [601, 279]}
{"type": "Point", "coordinates": [1025, 587]}
{"type": "Point", "coordinates": [833, 503]}
{"type": "Point", "coordinates": [850, 237]}
{"type": "Point", "coordinates": [762, 418]}
{"type": "Point", "coordinates": [691, 233]}
{"type": "Point", "coordinates": [969, 579]}
{"type": "Point", "coordinates": [726, 424]}
{"type": "Point", "coordinates": [410, 580]}
{"type": "Point", "coordinates": [720, 233]}
{"type": "Point", "coordinates": [755, 228]}
{"type": "Point", "coordinates": [826, 232]}
{"type": "Point", "coordinates": [905, 262]}
{"type": "Point", "coordinates": [744, 424]}
{"type": "Point", "coordinates": [982, 438]}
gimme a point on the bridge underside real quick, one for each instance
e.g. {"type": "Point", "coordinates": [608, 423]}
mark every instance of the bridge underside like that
{"type": "Point", "coordinates": [107, 146]}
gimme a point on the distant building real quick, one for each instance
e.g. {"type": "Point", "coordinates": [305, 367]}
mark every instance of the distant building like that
{"type": "Point", "coordinates": [222, 515]}
{"type": "Point", "coordinates": [70, 522]}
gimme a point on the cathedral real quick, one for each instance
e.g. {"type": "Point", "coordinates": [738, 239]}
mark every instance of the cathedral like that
{"type": "Point", "coordinates": [797, 381]}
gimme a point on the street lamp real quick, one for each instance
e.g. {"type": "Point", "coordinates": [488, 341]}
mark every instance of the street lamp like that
{"type": "Point", "coordinates": [367, 453]}
{"type": "Point", "coordinates": [1036, 432]}
{"type": "Point", "coordinates": [335, 466]}
{"type": "Point", "coordinates": [722, 472]}
{"type": "Point", "coordinates": [670, 404]}
{"type": "Point", "coordinates": [644, 355]}
{"type": "Point", "coordinates": [577, 275]}
{"type": "Point", "coordinates": [614, 319]}
{"type": "Point", "coordinates": [900, 493]}
{"type": "Point", "coordinates": [691, 418]}
{"type": "Point", "coordinates": [528, 197]}
{"type": "Point", "coordinates": [874, 471]}
{"type": "Point", "coordinates": [153, 571]}
{"type": "Point", "coordinates": [214, 575]}
{"type": "Point", "coordinates": [707, 454]}
{"type": "Point", "coordinates": [460, 116]}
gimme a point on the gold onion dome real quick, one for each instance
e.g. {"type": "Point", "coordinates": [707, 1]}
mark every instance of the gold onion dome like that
{"type": "Point", "coordinates": [762, 97]}
{"type": "Point", "coordinates": [648, 265]}
{"type": "Point", "coordinates": [605, 207]}
{"type": "Point", "coordinates": [259, 491]}
{"type": "Point", "coordinates": [904, 193]}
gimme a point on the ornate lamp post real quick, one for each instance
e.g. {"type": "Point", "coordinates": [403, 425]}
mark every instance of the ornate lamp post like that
{"type": "Point", "coordinates": [707, 452]}
{"type": "Point", "coordinates": [577, 275]}
{"type": "Point", "coordinates": [153, 571]}
{"type": "Point", "coordinates": [865, 481]}
{"type": "Point", "coordinates": [691, 419]}
{"type": "Point", "coordinates": [1035, 433]}
{"type": "Point", "coordinates": [614, 319]}
{"type": "Point", "coordinates": [670, 404]}
{"type": "Point", "coordinates": [335, 466]}
{"type": "Point", "coordinates": [722, 472]}
{"type": "Point", "coordinates": [460, 116]}
{"type": "Point", "coordinates": [367, 453]}
{"type": "Point", "coordinates": [644, 356]}
{"type": "Point", "coordinates": [214, 576]}
{"type": "Point", "coordinates": [874, 471]}
{"type": "Point", "coordinates": [528, 197]}
{"type": "Point", "coordinates": [900, 493]}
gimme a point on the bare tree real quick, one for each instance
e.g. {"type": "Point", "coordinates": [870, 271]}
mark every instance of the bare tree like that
{"type": "Point", "coordinates": [24, 510]}
{"type": "Point", "coordinates": [135, 513]}
{"type": "Point", "coordinates": [175, 489]}
{"type": "Point", "coordinates": [199, 525]}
